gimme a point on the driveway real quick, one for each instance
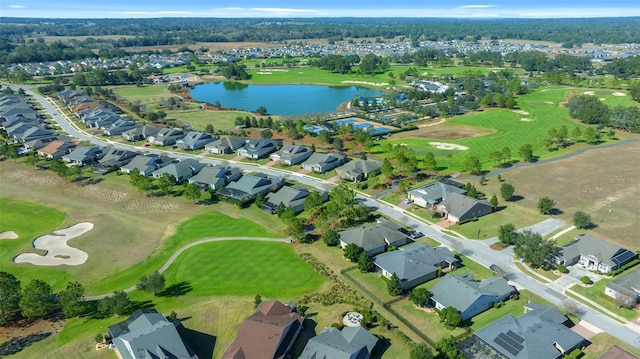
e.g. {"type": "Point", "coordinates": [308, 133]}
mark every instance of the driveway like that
{"type": "Point", "coordinates": [545, 227]}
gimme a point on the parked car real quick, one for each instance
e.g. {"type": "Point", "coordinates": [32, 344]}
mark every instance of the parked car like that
{"type": "Point", "coordinates": [408, 200]}
{"type": "Point", "coordinates": [416, 234]}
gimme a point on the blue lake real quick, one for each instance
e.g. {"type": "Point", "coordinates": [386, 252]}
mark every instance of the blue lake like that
{"type": "Point", "coordinates": [288, 100]}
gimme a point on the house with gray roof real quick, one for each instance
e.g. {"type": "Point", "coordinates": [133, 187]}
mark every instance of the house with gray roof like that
{"type": "Point", "coordinates": [595, 254]}
{"type": "Point", "coordinates": [41, 142]}
{"type": "Point", "coordinates": [146, 164]}
{"type": "Point", "coordinates": [195, 140]}
{"type": "Point", "coordinates": [373, 239]}
{"type": "Point", "coordinates": [147, 334]}
{"type": "Point", "coordinates": [181, 171]}
{"type": "Point", "coordinates": [469, 296]}
{"type": "Point", "coordinates": [540, 333]}
{"type": "Point", "coordinates": [113, 160]}
{"type": "Point", "coordinates": [257, 149]}
{"type": "Point", "coordinates": [415, 263]}
{"type": "Point", "coordinates": [118, 127]}
{"type": "Point", "coordinates": [323, 162]}
{"type": "Point", "coordinates": [291, 155]}
{"type": "Point", "coordinates": [626, 286]}
{"type": "Point", "coordinates": [433, 193]}
{"type": "Point", "coordinates": [10, 120]}
{"type": "Point", "coordinates": [248, 186]}
{"type": "Point", "coordinates": [358, 170]}
{"type": "Point", "coordinates": [290, 197]}
{"type": "Point", "coordinates": [459, 208]}
{"type": "Point", "coordinates": [225, 145]}
{"type": "Point", "coordinates": [84, 155]}
{"type": "Point", "coordinates": [333, 343]}
{"type": "Point", "coordinates": [166, 137]}
{"type": "Point", "coordinates": [56, 149]}
{"type": "Point", "coordinates": [33, 133]}
{"type": "Point", "coordinates": [140, 133]}
{"type": "Point", "coordinates": [215, 177]}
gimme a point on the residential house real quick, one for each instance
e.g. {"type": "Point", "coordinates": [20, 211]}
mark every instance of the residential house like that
{"type": "Point", "coordinates": [469, 296]}
{"type": "Point", "coordinates": [41, 142]}
{"type": "Point", "coordinates": [84, 155]}
{"type": "Point", "coordinates": [225, 145]}
{"type": "Point", "coordinates": [112, 160]}
{"type": "Point", "coordinates": [358, 170]}
{"type": "Point", "coordinates": [33, 133]}
{"type": "Point", "coordinates": [215, 177]}
{"type": "Point", "coordinates": [145, 164]}
{"type": "Point", "coordinates": [290, 197]}
{"type": "Point", "coordinates": [333, 343]}
{"type": "Point", "coordinates": [166, 137]}
{"type": "Point", "coordinates": [148, 334]}
{"type": "Point", "coordinates": [324, 162]}
{"type": "Point", "coordinates": [595, 254]}
{"type": "Point", "coordinates": [257, 149]}
{"type": "Point", "coordinates": [415, 264]}
{"type": "Point", "coordinates": [291, 155]}
{"type": "Point", "coordinates": [460, 208]}
{"type": "Point", "coordinates": [540, 333]}
{"type": "Point", "coordinates": [66, 95]}
{"type": "Point", "coordinates": [248, 186]}
{"type": "Point", "coordinates": [118, 127]}
{"type": "Point", "coordinates": [195, 140]}
{"type": "Point", "coordinates": [56, 149]}
{"type": "Point", "coordinates": [10, 120]}
{"type": "Point", "coordinates": [268, 333]}
{"type": "Point", "coordinates": [374, 239]}
{"type": "Point", "coordinates": [627, 286]}
{"type": "Point", "coordinates": [181, 171]}
{"type": "Point", "coordinates": [140, 133]}
{"type": "Point", "coordinates": [84, 105]}
{"type": "Point", "coordinates": [433, 193]}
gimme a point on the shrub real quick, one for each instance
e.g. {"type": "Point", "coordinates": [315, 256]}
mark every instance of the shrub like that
{"type": "Point", "coordinates": [562, 269]}
{"type": "Point", "coordinates": [586, 280]}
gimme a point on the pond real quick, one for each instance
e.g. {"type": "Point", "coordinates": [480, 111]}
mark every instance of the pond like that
{"type": "Point", "coordinates": [286, 100]}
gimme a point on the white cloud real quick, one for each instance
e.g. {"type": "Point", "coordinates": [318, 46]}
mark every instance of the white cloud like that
{"type": "Point", "coordinates": [476, 6]}
{"type": "Point", "coordinates": [17, 6]}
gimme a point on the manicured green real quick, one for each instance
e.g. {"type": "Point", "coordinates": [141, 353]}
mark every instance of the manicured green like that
{"type": "Point", "coordinates": [311, 75]}
{"type": "Point", "coordinates": [243, 268]}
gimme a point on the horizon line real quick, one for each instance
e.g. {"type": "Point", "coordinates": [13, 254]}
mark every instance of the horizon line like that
{"type": "Point", "coordinates": [321, 17]}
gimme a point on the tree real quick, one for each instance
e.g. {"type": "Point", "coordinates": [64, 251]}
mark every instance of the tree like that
{"type": "Point", "coordinates": [430, 163]}
{"type": "Point", "coordinates": [634, 90]}
{"type": "Point", "coordinates": [534, 250]}
{"type": "Point", "coordinates": [331, 238]}
{"type": "Point", "coordinates": [386, 170]}
{"type": "Point", "coordinates": [192, 192]}
{"type": "Point", "coordinates": [118, 303]}
{"type": "Point", "coordinates": [37, 299]}
{"type": "Point", "coordinates": [526, 152]}
{"type": "Point", "coordinates": [591, 135]}
{"type": "Point", "coordinates": [266, 134]}
{"type": "Point", "coordinates": [209, 128]}
{"type": "Point", "coordinates": [261, 110]}
{"type": "Point", "coordinates": [421, 351]}
{"type": "Point", "coordinates": [352, 252]}
{"type": "Point", "coordinates": [165, 183]}
{"type": "Point", "coordinates": [569, 307]}
{"type": "Point", "coordinates": [472, 165]}
{"type": "Point", "coordinates": [450, 317]}
{"type": "Point", "coordinates": [507, 233]}
{"type": "Point", "coordinates": [11, 151]}
{"type": "Point", "coordinates": [257, 300]}
{"type": "Point", "coordinates": [581, 220]}
{"type": "Point", "coordinates": [494, 202]}
{"type": "Point", "coordinates": [364, 263]}
{"type": "Point", "coordinates": [447, 348]}
{"type": "Point", "coordinates": [9, 296]}
{"type": "Point", "coordinates": [32, 159]}
{"type": "Point", "coordinates": [506, 191]}
{"type": "Point", "coordinates": [546, 205]}
{"type": "Point", "coordinates": [338, 144]}
{"type": "Point", "coordinates": [313, 202]}
{"type": "Point", "coordinates": [472, 191]}
{"type": "Point", "coordinates": [419, 296]}
{"type": "Point", "coordinates": [394, 286]}
{"type": "Point", "coordinates": [152, 283]}
{"type": "Point", "coordinates": [71, 300]}
{"type": "Point", "coordinates": [625, 301]}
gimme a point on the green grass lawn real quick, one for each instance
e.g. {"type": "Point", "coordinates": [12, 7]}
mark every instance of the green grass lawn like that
{"type": "Point", "coordinates": [310, 75]}
{"type": "Point", "coordinates": [600, 343]}
{"type": "Point", "coordinates": [490, 224]}
{"type": "Point", "coordinates": [596, 294]}
{"type": "Point", "coordinates": [221, 120]}
{"type": "Point", "coordinates": [428, 323]}
{"type": "Point", "coordinates": [512, 306]}
{"type": "Point", "coordinates": [144, 94]}
{"type": "Point", "coordinates": [243, 268]}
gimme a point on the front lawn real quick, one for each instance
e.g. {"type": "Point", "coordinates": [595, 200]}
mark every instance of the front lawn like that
{"type": "Point", "coordinates": [596, 294]}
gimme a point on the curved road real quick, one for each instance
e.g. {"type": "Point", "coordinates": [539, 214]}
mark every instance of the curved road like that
{"type": "Point", "coordinates": [477, 250]}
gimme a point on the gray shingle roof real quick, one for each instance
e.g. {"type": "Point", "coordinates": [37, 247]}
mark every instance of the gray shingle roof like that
{"type": "Point", "coordinates": [372, 237]}
{"type": "Point", "coordinates": [461, 291]}
{"type": "Point", "coordinates": [434, 193]}
{"type": "Point", "coordinates": [628, 283]}
{"type": "Point", "coordinates": [414, 261]}
{"type": "Point", "coordinates": [606, 252]}
{"type": "Point", "coordinates": [465, 207]}
{"type": "Point", "coordinates": [331, 343]}
{"type": "Point", "coordinates": [360, 167]}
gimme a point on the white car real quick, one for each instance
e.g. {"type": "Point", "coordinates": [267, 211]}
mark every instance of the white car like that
{"type": "Point", "coordinates": [408, 200]}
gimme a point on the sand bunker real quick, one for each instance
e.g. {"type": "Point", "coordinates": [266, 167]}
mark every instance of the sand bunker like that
{"type": "Point", "coordinates": [448, 146]}
{"type": "Point", "coordinates": [526, 120]}
{"type": "Point", "coordinates": [521, 112]}
{"type": "Point", "coordinates": [589, 93]}
{"type": "Point", "coordinates": [365, 83]}
{"type": "Point", "coordinates": [8, 235]}
{"type": "Point", "coordinates": [549, 102]}
{"type": "Point", "coordinates": [619, 94]}
{"type": "Point", "coordinates": [264, 73]}
{"type": "Point", "coordinates": [58, 252]}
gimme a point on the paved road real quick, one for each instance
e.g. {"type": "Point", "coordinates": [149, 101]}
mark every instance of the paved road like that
{"type": "Point", "coordinates": [477, 250]}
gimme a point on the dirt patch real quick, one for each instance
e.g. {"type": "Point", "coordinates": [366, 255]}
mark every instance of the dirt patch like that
{"type": "Point", "coordinates": [154, 204]}
{"type": "Point", "coordinates": [24, 327]}
{"type": "Point", "coordinates": [521, 112]}
{"type": "Point", "coordinates": [440, 133]}
{"type": "Point", "coordinates": [33, 177]}
{"type": "Point", "coordinates": [98, 192]}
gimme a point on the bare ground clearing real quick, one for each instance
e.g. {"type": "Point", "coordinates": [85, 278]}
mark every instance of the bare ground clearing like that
{"type": "Point", "coordinates": [444, 132]}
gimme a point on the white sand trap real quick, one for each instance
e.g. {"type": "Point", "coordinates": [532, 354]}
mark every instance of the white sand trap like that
{"type": "Point", "coordinates": [448, 146]}
{"type": "Point", "coordinates": [549, 102]}
{"type": "Point", "coordinates": [521, 112]}
{"type": "Point", "coordinates": [365, 83]}
{"type": "Point", "coordinates": [619, 94]}
{"type": "Point", "coordinates": [589, 93]}
{"type": "Point", "coordinates": [264, 73]}
{"type": "Point", "coordinates": [58, 252]}
{"type": "Point", "coordinates": [601, 99]}
{"type": "Point", "coordinates": [8, 235]}
{"type": "Point", "coordinates": [526, 120]}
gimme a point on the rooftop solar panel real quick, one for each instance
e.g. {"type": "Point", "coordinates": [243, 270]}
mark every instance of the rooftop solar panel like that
{"type": "Point", "coordinates": [515, 336]}
{"type": "Point", "coordinates": [506, 346]}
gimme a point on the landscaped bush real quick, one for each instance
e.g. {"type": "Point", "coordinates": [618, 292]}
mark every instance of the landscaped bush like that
{"type": "Point", "coordinates": [562, 269]}
{"type": "Point", "coordinates": [633, 263]}
{"type": "Point", "coordinates": [586, 280]}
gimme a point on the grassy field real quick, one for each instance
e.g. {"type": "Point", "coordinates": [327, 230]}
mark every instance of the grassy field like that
{"type": "Point", "coordinates": [145, 94]}
{"type": "Point", "coordinates": [600, 343]}
{"type": "Point", "coordinates": [199, 119]}
{"type": "Point", "coordinates": [310, 75]}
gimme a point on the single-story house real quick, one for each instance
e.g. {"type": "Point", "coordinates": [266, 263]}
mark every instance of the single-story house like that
{"type": "Point", "coordinates": [433, 193]}
{"type": "Point", "coordinates": [113, 160]}
{"type": "Point", "coordinates": [333, 343]}
{"type": "Point", "coordinates": [215, 177]}
{"type": "Point", "coordinates": [323, 162]}
{"type": "Point", "coordinates": [118, 127]}
{"type": "Point", "coordinates": [627, 286]}
{"type": "Point", "coordinates": [594, 254]}
{"type": "Point", "coordinates": [39, 143]}
{"type": "Point", "coordinates": [469, 296]}
{"type": "Point", "coordinates": [358, 170]}
{"type": "Point", "coordinates": [33, 133]}
{"type": "Point", "coordinates": [166, 137]}
{"type": "Point", "coordinates": [56, 149]}
{"type": "Point", "coordinates": [539, 333]}
{"type": "Point", "coordinates": [459, 208]}
{"type": "Point", "coordinates": [148, 334]}
{"type": "Point", "coordinates": [415, 263]}
{"type": "Point", "coordinates": [225, 145]}
{"type": "Point", "coordinates": [65, 95]}
{"type": "Point", "coordinates": [374, 239]}
{"type": "Point", "coordinates": [84, 155]}
{"type": "Point", "coordinates": [290, 197]}
{"type": "Point", "coordinates": [146, 164]}
{"type": "Point", "coordinates": [195, 140]}
{"type": "Point", "coordinates": [257, 149]}
{"type": "Point", "coordinates": [268, 333]}
{"type": "Point", "coordinates": [181, 171]}
{"type": "Point", "coordinates": [291, 154]}
{"type": "Point", "coordinates": [248, 186]}
{"type": "Point", "coordinates": [140, 133]}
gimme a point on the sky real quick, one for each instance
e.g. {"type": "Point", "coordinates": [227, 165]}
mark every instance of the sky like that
{"type": "Point", "coordinates": [318, 8]}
